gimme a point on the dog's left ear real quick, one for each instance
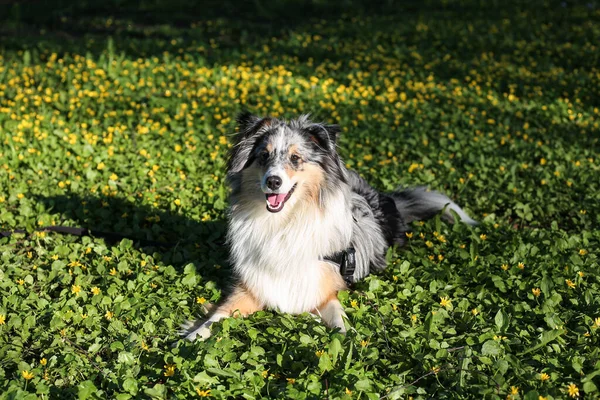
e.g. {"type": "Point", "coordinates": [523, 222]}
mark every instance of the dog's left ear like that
{"type": "Point", "coordinates": [248, 127]}
{"type": "Point", "coordinates": [325, 136]}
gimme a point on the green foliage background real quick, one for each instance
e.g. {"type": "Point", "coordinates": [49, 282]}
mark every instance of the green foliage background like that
{"type": "Point", "coordinates": [117, 116]}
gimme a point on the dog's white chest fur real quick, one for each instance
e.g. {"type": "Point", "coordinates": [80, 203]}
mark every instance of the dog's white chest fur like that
{"type": "Point", "coordinates": [278, 256]}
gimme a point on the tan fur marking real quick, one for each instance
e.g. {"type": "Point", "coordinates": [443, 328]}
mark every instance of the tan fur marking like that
{"type": "Point", "coordinates": [269, 147]}
{"type": "Point", "coordinates": [240, 303]}
{"type": "Point", "coordinates": [312, 176]}
{"type": "Point", "coordinates": [329, 286]}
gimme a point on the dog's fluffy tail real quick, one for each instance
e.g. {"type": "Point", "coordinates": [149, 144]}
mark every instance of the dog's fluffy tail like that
{"type": "Point", "coordinates": [417, 204]}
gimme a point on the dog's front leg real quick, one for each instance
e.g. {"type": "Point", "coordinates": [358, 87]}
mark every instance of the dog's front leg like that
{"type": "Point", "coordinates": [239, 303]}
{"type": "Point", "coordinates": [332, 314]}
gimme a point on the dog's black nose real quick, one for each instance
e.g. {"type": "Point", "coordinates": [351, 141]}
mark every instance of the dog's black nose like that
{"type": "Point", "coordinates": [273, 182]}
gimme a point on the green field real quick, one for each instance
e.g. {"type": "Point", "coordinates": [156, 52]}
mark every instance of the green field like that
{"type": "Point", "coordinates": [117, 116]}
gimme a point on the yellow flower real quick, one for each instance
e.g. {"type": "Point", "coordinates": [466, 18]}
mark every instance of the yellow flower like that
{"type": "Point", "coordinates": [144, 346]}
{"type": "Point", "coordinates": [43, 361]}
{"type": "Point", "coordinates": [409, 235]}
{"type": "Point", "coordinates": [113, 177]}
{"type": "Point", "coordinates": [54, 257]}
{"type": "Point", "coordinates": [595, 326]}
{"type": "Point", "coordinates": [504, 267]}
{"type": "Point", "coordinates": [483, 236]}
{"type": "Point", "coordinates": [100, 166]}
{"type": "Point", "coordinates": [536, 291]}
{"type": "Point", "coordinates": [474, 311]}
{"type": "Point", "coordinates": [348, 392]}
{"type": "Point", "coordinates": [582, 252]}
{"type": "Point", "coordinates": [21, 281]}
{"type": "Point", "coordinates": [435, 370]}
{"type": "Point", "coordinates": [319, 353]}
{"type": "Point", "coordinates": [113, 272]}
{"type": "Point", "coordinates": [354, 303]}
{"type": "Point", "coordinates": [413, 318]}
{"type": "Point", "coordinates": [177, 202]}
{"type": "Point", "coordinates": [412, 168]}
{"type": "Point", "coordinates": [445, 302]}
{"type": "Point", "coordinates": [265, 373]}
{"type": "Point", "coordinates": [200, 300]}
{"type": "Point", "coordinates": [544, 376]}
{"type": "Point", "coordinates": [542, 398]}
{"type": "Point", "coordinates": [202, 393]}
{"type": "Point", "coordinates": [169, 369]}
{"type": "Point", "coordinates": [428, 244]}
{"type": "Point", "coordinates": [109, 315]}
{"type": "Point", "coordinates": [520, 265]}
{"type": "Point", "coordinates": [290, 381]}
{"type": "Point", "coordinates": [573, 390]}
{"type": "Point", "coordinates": [27, 375]}
{"type": "Point", "coordinates": [514, 390]}
{"type": "Point", "coordinates": [74, 264]}
{"type": "Point", "coordinates": [96, 290]}
{"type": "Point", "coordinates": [570, 283]}
{"type": "Point", "coordinates": [2, 319]}
{"type": "Point", "coordinates": [75, 289]}
{"type": "Point", "coordinates": [364, 343]}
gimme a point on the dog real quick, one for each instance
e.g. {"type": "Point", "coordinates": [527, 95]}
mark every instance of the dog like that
{"type": "Point", "coordinates": [297, 215]}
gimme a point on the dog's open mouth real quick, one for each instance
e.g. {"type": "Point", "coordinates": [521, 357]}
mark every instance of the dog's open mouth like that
{"type": "Point", "coordinates": [275, 201]}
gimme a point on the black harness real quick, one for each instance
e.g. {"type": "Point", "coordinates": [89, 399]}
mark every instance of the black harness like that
{"type": "Point", "coordinates": [346, 259]}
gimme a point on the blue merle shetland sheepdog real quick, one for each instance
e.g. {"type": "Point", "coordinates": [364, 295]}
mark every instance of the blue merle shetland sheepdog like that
{"type": "Point", "coordinates": [294, 205]}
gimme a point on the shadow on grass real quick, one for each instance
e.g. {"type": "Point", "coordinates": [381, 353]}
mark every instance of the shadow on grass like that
{"type": "Point", "coordinates": [179, 239]}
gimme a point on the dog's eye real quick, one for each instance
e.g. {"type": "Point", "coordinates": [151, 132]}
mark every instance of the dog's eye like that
{"type": "Point", "coordinates": [264, 155]}
{"type": "Point", "coordinates": [295, 158]}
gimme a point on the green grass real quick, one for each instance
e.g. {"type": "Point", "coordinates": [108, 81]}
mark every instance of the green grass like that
{"type": "Point", "coordinates": [117, 117]}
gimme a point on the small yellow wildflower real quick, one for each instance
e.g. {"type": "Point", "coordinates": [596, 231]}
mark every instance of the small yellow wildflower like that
{"type": "Point", "coordinates": [290, 381]}
{"type": "Point", "coordinates": [203, 393]}
{"type": "Point", "coordinates": [544, 376]}
{"type": "Point", "coordinates": [319, 353]}
{"type": "Point", "coordinates": [429, 244]}
{"type": "Point", "coordinates": [54, 257]}
{"type": "Point", "coordinates": [96, 290]}
{"type": "Point", "coordinates": [145, 346]}
{"type": "Point", "coordinates": [483, 236]}
{"type": "Point", "coordinates": [445, 302]}
{"type": "Point", "coordinates": [75, 289]}
{"type": "Point", "coordinates": [573, 390]}
{"type": "Point", "coordinates": [109, 315]}
{"type": "Point", "coordinates": [409, 235]}
{"type": "Point", "coordinates": [348, 392]}
{"type": "Point", "coordinates": [504, 267]}
{"type": "Point", "coordinates": [43, 361]}
{"type": "Point", "coordinates": [595, 326]}
{"type": "Point", "coordinates": [177, 202]}
{"type": "Point", "coordinates": [520, 265]}
{"type": "Point", "coordinates": [27, 375]}
{"type": "Point", "coordinates": [474, 311]}
{"type": "Point", "coordinates": [514, 390]}
{"type": "Point", "coordinates": [113, 177]}
{"type": "Point", "coordinates": [2, 319]}
{"type": "Point", "coordinates": [200, 300]}
{"type": "Point", "coordinates": [536, 292]}
{"type": "Point", "coordinates": [364, 343]}
{"type": "Point", "coordinates": [170, 369]}
{"type": "Point", "coordinates": [113, 272]}
{"type": "Point", "coordinates": [265, 373]}
{"type": "Point", "coordinates": [354, 304]}
{"type": "Point", "coordinates": [582, 252]}
{"type": "Point", "coordinates": [100, 166]}
{"type": "Point", "coordinates": [580, 273]}
{"type": "Point", "coordinates": [435, 370]}
{"type": "Point", "coordinates": [570, 283]}
{"type": "Point", "coordinates": [21, 281]}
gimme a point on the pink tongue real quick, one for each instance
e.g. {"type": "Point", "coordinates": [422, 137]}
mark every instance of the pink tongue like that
{"type": "Point", "coordinates": [275, 199]}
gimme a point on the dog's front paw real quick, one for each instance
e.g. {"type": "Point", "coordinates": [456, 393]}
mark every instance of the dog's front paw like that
{"type": "Point", "coordinates": [193, 330]}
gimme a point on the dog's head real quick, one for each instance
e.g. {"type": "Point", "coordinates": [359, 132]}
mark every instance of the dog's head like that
{"type": "Point", "coordinates": [283, 162]}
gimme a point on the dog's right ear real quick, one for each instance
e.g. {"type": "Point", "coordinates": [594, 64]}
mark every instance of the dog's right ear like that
{"type": "Point", "coordinates": [248, 126]}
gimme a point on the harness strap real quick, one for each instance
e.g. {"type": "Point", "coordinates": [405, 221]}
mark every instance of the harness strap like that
{"type": "Point", "coordinates": [346, 259]}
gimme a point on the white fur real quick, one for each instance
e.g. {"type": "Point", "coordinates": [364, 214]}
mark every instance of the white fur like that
{"type": "Point", "coordinates": [278, 257]}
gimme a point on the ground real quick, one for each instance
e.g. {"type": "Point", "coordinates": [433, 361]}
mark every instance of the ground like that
{"type": "Point", "coordinates": [117, 116]}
